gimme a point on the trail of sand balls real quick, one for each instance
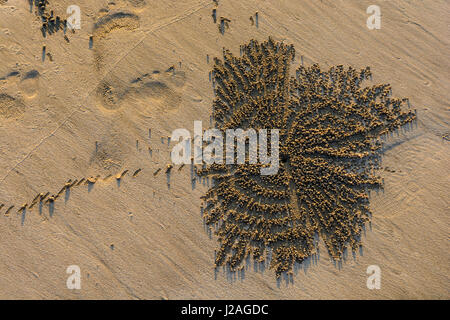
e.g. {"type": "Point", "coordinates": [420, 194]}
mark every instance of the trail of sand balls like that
{"type": "Point", "coordinates": [47, 197]}
{"type": "Point", "coordinates": [330, 148]}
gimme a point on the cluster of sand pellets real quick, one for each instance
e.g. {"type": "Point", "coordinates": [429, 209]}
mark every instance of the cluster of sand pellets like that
{"type": "Point", "coordinates": [224, 23]}
{"type": "Point", "coordinates": [50, 22]}
{"type": "Point", "coordinates": [255, 19]}
{"type": "Point", "coordinates": [330, 148]}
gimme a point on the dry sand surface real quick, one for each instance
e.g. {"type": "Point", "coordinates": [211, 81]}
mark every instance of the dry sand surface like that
{"type": "Point", "coordinates": [84, 110]}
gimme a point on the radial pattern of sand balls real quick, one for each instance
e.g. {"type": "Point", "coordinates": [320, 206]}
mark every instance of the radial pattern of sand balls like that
{"type": "Point", "coordinates": [330, 144]}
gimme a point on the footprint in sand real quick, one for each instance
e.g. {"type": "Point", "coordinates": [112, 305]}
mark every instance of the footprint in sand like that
{"type": "Point", "coordinates": [26, 84]}
{"type": "Point", "coordinates": [29, 84]}
{"type": "Point", "coordinates": [152, 91]}
{"type": "Point", "coordinates": [157, 92]}
{"type": "Point", "coordinates": [111, 19]}
{"type": "Point", "coordinates": [10, 79]}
